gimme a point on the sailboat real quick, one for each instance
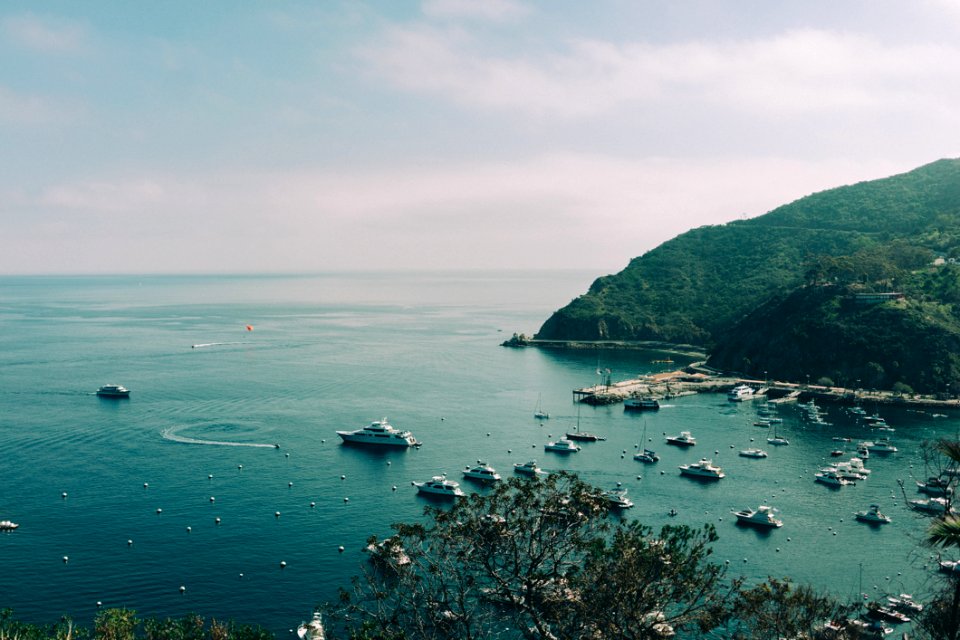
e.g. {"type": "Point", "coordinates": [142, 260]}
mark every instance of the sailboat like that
{"type": "Point", "coordinates": [539, 413]}
{"type": "Point", "coordinates": [583, 436]}
{"type": "Point", "coordinates": [777, 440]}
{"type": "Point", "coordinates": [646, 455]}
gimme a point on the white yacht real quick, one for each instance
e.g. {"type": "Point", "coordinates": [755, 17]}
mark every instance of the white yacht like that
{"type": "Point", "coordinates": [935, 486]}
{"type": "Point", "coordinates": [935, 506]}
{"type": "Point", "coordinates": [831, 478]}
{"type": "Point", "coordinates": [753, 452]}
{"type": "Point", "coordinates": [872, 515]}
{"type": "Point", "coordinates": [617, 498]}
{"type": "Point", "coordinates": [8, 525]}
{"type": "Point", "coordinates": [529, 468]}
{"type": "Point", "coordinates": [440, 486]}
{"type": "Point", "coordinates": [703, 469]}
{"type": "Point", "coordinates": [379, 432]}
{"type": "Point", "coordinates": [763, 516]}
{"type": "Point", "coordinates": [778, 441]}
{"type": "Point", "coordinates": [312, 630]}
{"type": "Point", "coordinates": [741, 392]}
{"type": "Point", "coordinates": [113, 391]}
{"type": "Point", "coordinates": [561, 446]}
{"type": "Point", "coordinates": [682, 440]}
{"type": "Point", "coordinates": [482, 472]}
{"type": "Point", "coordinates": [881, 445]}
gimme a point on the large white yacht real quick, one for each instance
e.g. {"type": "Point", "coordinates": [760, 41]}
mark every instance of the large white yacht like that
{"type": "Point", "coordinates": [561, 446]}
{"type": "Point", "coordinates": [703, 469]}
{"type": "Point", "coordinates": [113, 391]}
{"type": "Point", "coordinates": [529, 468]}
{"type": "Point", "coordinates": [761, 517]}
{"type": "Point", "coordinates": [740, 393]}
{"type": "Point", "coordinates": [439, 485]}
{"type": "Point", "coordinates": [379, 432]}
{"type": "Point", "coordinates": [685, 439]}
{"type": "Point", "coordinates": [482, 472]}
{"type": "Point", "coordinates": [617, 498]}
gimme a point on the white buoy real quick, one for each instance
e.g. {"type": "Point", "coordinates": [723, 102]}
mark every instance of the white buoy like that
{"type": "Point", "coordinates": [189, 529]}
{"type": "Point", "coordinates": [129, 543]}
{"type": "Point", "coordinates": [389, 463]}
{"type": "Point", "coordinates": [99, 604]}
{"type": "Point", "coordinates": [276, 514]}
{"type": "Point", "coordinates": [394, 488]}
{"type": "Point", "coordinates": [241, 576]}
{"type": "Point", "coordinates": [159, 511]}
{"type": "Point", "coordinates": [240, 466]}
{"type": "Point", "coordinates": [289, 484]}
{"type": "Point", "coordinates": [346, 499]}
{"type": "Point", "coordinates": [63, 495]}
{"type": "Point", "coordinates": [146, 484]}
{"type": "Point", "coordinates": [212, 499]}
{"type": "Point", "coordinates": [182, 588]}
{"type": "Point", "coordinates": [340, 548]}
{"type": "Point", "coordinates": [286, 455]}
{"type": "Point", "coordinates": [343, 477]}
{"type": "Point", "coordinates": [217, 520]}
{"type": "Point", "coordinates": [313, 504]}
{"type": "Point", "coordinates": [209, 476]}
{"type": "Point", "coordinates": [283, 564]}
{"type": "Point", "coordinates": [66, 559]}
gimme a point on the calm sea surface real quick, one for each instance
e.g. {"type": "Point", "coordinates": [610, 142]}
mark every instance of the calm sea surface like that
{"type": "Point", "coordinates": [146, 478]}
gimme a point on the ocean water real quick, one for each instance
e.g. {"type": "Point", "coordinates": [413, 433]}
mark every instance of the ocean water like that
{"type": "Point", "coordinates": [145, 479]}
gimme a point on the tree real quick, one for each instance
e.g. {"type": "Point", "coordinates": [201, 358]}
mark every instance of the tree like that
{"type": "Point", "coordinates": [538, 559]}
{"type": "Point", "coordinates": [941, 618]}
{"type": "Point", "coordinates": [780, 609]}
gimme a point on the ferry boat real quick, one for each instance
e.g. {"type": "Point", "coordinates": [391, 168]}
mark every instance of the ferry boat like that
{"type": "Point", "coordinates": [380, 433]}
{"type": "Point", "coordinates": [113, 391]}
{"type": "Point", "coordinates": [641, 404]}
{"type": "Point", "coordinates": [482, 472]}
{"type": "Point", "coordinates": [703, 469]}
{"type": "Point", "coordinates": [685, 439]}
{"type": "Point", "coordinates": [741, 392]}
{"type": "Point", "coordinates": [440, 486]}
{"type": "Point", "coordinates": [761, 517]}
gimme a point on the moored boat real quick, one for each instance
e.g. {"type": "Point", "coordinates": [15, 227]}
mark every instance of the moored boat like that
{"type": "Point", "coordinates": [440, 486]}
{"type": "Point", "coordinates": [617, 498]}
{"type": "Point", "coordinates": [8, 525]}
{"type": "Point", "coordinates": [312, 630]}
{"type": "Point", "coordinates": [528, 468]}
{"type": "Point", "coordinates": [482, 472]}
{"type": "Point", "coordinates": [753, 452]}
{"type": "Point", "coordinates": [647, 455]}
{"type": "Point", "coordinates": [379, 433]}
{"type": "Point", "coordinates": [702, 469]}
{"type": "Point", "coordinates": [113, 391]}
{"type": "Point", "coordinates": [561, 446]}
{"type": "Point", "coordinates": [685, 439]}
{"type": "Point", "coordinates": [872, 515]}
{"type": "Point", "coordinates": [762, 516]}
{"type": "Point", "coordinates": [831, 478]}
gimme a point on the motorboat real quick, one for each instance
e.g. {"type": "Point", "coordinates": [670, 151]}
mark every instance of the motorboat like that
{"type": "Point", "coordinates": [561, 446]}
{"type": "Point", "coordinates": [312, 630]}
{"type": "Point", "coordinates": [113, 391]}
{"type": "Point", "coordinates": [641, 404]}
{"type": "Point", "coordinates": [935, 486]}
{"type": "Point", "coordinates": [702, 469]}
{"type": "Point", "coordinates": [538, 412]}
{"type": "Point", "coordinates": [778, 441]}
{"type": "Point", "coordinates": [905, 602]}
{"type": "Point", "coordinates": [685, 439]}
{"type": "Point", "coordinates": [753, 452]}
{"type": "Point", "coordinates": [647, 455]}
{"type": "Point", "coordinates": [836, 453]}
{"type": "Point", "coordinates": [528, 468]}
{"type": "Point", "coordinates": [844, 472]}
{"type": "Point", "coordinates": [741, 392]}
{"type": "Point", "coordinates": [388, 552]}
{"type": "Point", "coordinates": [831, 478]}
{"type": "Point", "coordinates": [762, 423]}
{"type": "Point", "coordinates": [440, 486]}
{"type": "Point", "coordinates": [762, 516]}
{"type": "Point", "coordinates": [949, 566]}
{"type": "Point", "coordinates": [878, 612]}
{"type": "Point", "coordinates": [872, 515]}
{"type": "Point", "coordinates": [617, 498]}
{"type": "Point", "coordinates": [856, 464]}
{"type": "Point", "coordinates": [933, 506]}
{"type": "Point", "coordinates": [380, 433]}
{"type": "Point", "coordinates": [482, 472]}
{"type": "Point", "coordinates": [881, 445]}
{"type": "Point", "coordinates": [8, 525]}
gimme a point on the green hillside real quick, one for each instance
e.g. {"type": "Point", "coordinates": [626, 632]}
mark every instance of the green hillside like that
{"type": "Point", "coordinates": [715, 286]}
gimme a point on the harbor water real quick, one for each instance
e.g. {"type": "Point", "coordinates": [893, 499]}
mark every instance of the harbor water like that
{"type": "Point", "coordinates": [222, 473]}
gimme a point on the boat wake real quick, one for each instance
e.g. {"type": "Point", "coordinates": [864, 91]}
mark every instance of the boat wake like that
{"type": "Point", "coordinates": [173, 435]}
{"type": "Point", "coordinates": [214, 344]}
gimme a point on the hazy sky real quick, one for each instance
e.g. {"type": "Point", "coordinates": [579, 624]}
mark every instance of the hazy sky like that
{"type": "Point", "coordinates": [224, 136]}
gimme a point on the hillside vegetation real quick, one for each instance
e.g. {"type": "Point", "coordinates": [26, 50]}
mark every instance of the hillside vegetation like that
{"type": "Point", "coordinates": [753, 292]}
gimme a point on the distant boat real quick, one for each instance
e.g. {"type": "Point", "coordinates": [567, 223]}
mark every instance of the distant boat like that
{"type": "Point", "coordinates": [379, 433]}
{"type": "Point", "coordinates": [481, 472]}
{"type": "Point", "coordinates": [753, 453]}
{"type": "Point", "coordinates": [561, 446]}
{"type": "Point", "coordinates": [528, 468]}
{"type": "Point", "coordinates": [641, 404]}
{"type": "Point", "coordinates": [113, 391]}
{"type": "Point", "coordinates": [582, 436]}
{"type": "Point", "coordinates": [538, 412]}
{"type": "Point", "coordinates": [8, 525]}
{"type": "Point", "coordinates": [646, 455]}
{"type": "Point", "coordinates": [761, 517]}
{"type": "Point", "coordinates": [872, 515]}
{"type": "Point", "coordinates": [685, 439]}
{"type": "Point", "coordinates": [741, 392]}
{"type": "Point", "coordinates": [703, 469]}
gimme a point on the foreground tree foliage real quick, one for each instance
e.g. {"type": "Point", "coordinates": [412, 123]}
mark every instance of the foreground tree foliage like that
{"type": "Point", "coordinates": [123, 624]}
{"type": "Point", "coordinates": [547, 559]}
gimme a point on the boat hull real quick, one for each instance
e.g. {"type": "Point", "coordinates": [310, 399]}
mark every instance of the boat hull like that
{"type": "Point", "coordinates": [349, 438]}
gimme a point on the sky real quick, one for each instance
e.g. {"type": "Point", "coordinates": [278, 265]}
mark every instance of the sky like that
{"type": "Point", "coordinates": [326, 135]}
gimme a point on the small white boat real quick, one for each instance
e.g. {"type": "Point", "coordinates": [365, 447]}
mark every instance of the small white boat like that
{"type": "Point", "coordinates": [561, 446]}
{"type": "Point", "coordinates": [949, 566]}
{"type": "Point", "coordinates": [702, 469]}
{"type": "Point", "coordinates": [753, 452]}
{"type": "Point", "coordinates": [482, 472]}
{"type": "Point", "coordinates": [539, 413]}
{"type": "Point", "coordinates": [763, 516]}
{"type": "Point", "coordinates": [647, 456]}
{"type": "Point", "coordinates": [778, 441]}
{"type": "Point", "coordinates": [934, 506]}
{"type": "Point", "coordinates": [831, 478]}
{"type": "Point", "coordinates": [440, 486]}
{"type": "Point", "coordinates": [312, 630]}
{"type": "Point", "coordinates": [935, 486]}
{"type": "Point", "coordinates": [617, 498]}
{"type": "Point", "coordinates": [905, 602]}
{"type": "Point", "coordinates": [379, 433]}
{"type": "Point", "coordinates": [388, 552]}
{"type": "Point", "coordinates": [872, 515]}
{"type": "Point", "coordinates": [685, 439]}
{"type": "Point", "coordinates": [740, 393]}
{"type": "Point", "coordinates": [113, 391]}
{"type": "Point", "coordinates": [528, 468]}
{"type": "Point", "coordinates": [881, 445]}
{"type": "Point", "coordinates": [8, 525]}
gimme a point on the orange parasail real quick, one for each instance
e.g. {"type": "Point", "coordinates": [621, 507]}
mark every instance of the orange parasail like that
{"type": "Point", "coordinates": [249, 327]}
